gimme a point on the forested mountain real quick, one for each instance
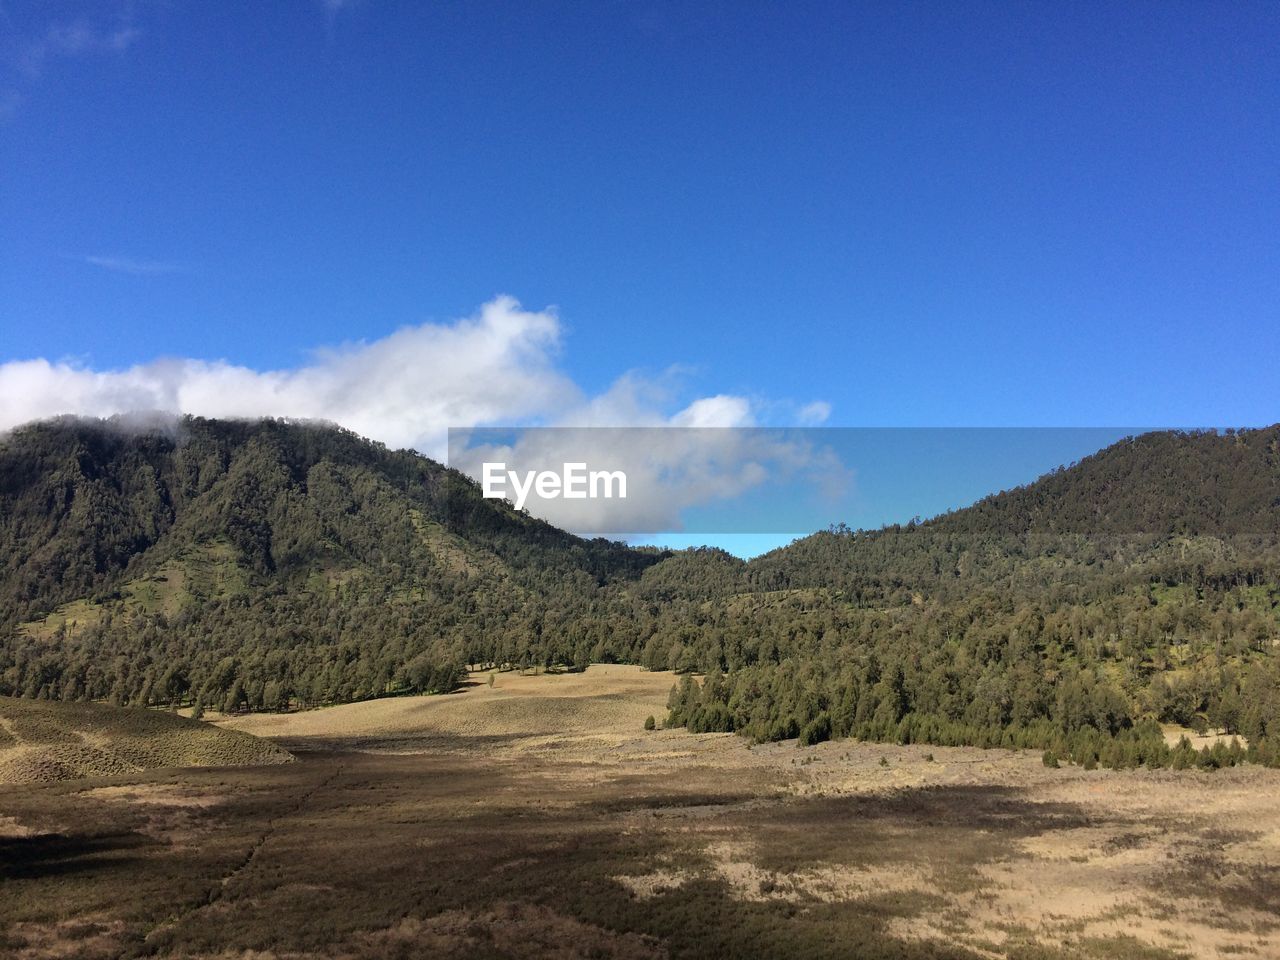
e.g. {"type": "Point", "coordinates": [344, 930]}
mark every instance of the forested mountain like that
{"type": "Point", "coordinates": [274, 565]}
{"type": "Point", "coordinates": [1139, 585]}
{"type": "Point", "coordinates": [258, 564]}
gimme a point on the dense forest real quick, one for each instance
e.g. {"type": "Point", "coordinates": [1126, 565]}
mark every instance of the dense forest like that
{"type": "Point", "coordinates": [274, 565]}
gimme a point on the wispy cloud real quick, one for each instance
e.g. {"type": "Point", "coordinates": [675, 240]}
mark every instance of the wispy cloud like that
{"type": "Point", "coordinates": [814, 414]}
{"type": "Point", "coordinates": [75, 39]}
{"type": "Point", "coordinates": [26, 55]}
{"type": "Point", "coordinates": [134, 266]}
{"type": "Point", "coordinates": [332, 9]}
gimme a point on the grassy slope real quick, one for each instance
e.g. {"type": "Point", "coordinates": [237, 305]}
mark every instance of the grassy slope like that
{"type": "Point", "coordinates": [43, 741]}
{"type": "Point", "coordinates": [606, 703]}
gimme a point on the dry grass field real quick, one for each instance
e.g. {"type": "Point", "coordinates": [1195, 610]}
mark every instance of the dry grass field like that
{"type": "Point", "coordinates": [592, 711]}
{"type": "Point", "coordinates": [536, 818]}
{"type": "Point", "coordinates": [43, 741]}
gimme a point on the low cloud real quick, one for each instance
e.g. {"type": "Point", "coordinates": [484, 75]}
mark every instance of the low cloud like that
{"type": "Point", "coordinates": [498, 366]}
{"type": "Point", "coordinates": [405, 389]}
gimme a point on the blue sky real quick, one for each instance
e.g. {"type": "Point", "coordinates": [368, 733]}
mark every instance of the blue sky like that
{"type": "Point", "coordinates": [919, 214]}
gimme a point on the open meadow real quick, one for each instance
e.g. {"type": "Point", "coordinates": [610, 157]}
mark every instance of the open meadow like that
{"type": "Point", "coordinates": [537, 818]}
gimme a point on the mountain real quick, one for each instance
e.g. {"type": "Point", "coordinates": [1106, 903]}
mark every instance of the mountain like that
{"type": "Point", "coordinates": [275, 565]}
{"type": "Point", "coordinates": [258, 564]}
{"type": "Point", "coordinates": [1136, 587]}
{"type": "Point", "coordinates": [1146, 490]}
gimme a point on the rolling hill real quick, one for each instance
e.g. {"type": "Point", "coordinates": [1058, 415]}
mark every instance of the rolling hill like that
{"type": "Point", "coordinates": [42, 741]}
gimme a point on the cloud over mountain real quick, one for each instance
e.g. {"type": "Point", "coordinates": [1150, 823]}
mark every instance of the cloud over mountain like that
{"type": "Point", "coordinates": [497, 366]}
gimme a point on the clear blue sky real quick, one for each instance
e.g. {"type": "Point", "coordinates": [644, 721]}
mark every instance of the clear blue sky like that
{"type": "Point", "coordinates": [1017, 213]}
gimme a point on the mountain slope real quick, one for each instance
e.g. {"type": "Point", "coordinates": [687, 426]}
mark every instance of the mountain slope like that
{"type": "Point", "coordinates": [1134, 497]}
{"type": "Point", "coordinates": [257, 564]}
{"type": "Point", "coordinates": [1140, 585]}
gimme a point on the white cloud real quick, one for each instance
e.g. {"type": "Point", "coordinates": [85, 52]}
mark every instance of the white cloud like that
{"type": "Point", "coordinates": [496, 367]}
{"type": "Point", "coordinates": [669, 469]}
{"type": "Point", "coordinates": [405, 389]}
{"type": "Point", "coordinates": [717, 411]}
{"type": "Point", "coordinates": [814, 414]}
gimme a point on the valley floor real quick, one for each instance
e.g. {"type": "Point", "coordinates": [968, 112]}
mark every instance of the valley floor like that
{"type": "Point", "coordinates": [536, 818]}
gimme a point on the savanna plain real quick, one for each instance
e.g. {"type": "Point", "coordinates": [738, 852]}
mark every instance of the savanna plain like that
{"type": "Point", "coordinates": [534, 816]}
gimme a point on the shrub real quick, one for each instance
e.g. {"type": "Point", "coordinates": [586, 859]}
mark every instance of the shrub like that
{"type": "Point", "coordinates": [816, 731]}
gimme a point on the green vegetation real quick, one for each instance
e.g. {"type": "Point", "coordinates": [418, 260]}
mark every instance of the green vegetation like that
{"type": "Point", "coordinates": [272, 566]}
{"type": "Point", "coordinates": [41, 741]}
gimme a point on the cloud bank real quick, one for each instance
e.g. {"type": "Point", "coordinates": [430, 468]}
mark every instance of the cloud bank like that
{"type": "Point", "coordinates": [496, 367]}
{"type": "Point", "coordinates": [405, 389]}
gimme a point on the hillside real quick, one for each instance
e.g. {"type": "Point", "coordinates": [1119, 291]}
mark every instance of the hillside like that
{"type": "Point", "coordinates": [257, 564]}
{"type": "Point", "coordinates": [273, 565]}
{"type": "Point", "coordinates": [41, 741]}
{"type": "Point", "coordinates": [1193, 490]}
{"type": "Point", "coordinates": [1141, 585]}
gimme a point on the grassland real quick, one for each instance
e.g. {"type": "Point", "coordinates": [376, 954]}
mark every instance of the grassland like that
{"type": "Point", "coordinates": [583, 713]}
{"type": "Point", "coordinates": [536, 818]}
{"type": "Point", "coordinates": [44, 741]}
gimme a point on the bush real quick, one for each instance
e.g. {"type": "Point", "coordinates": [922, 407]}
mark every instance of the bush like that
{"type": "Point", "coordinates": [650, 723]}
{"type": "Point", "coordinates": [816, 731]}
